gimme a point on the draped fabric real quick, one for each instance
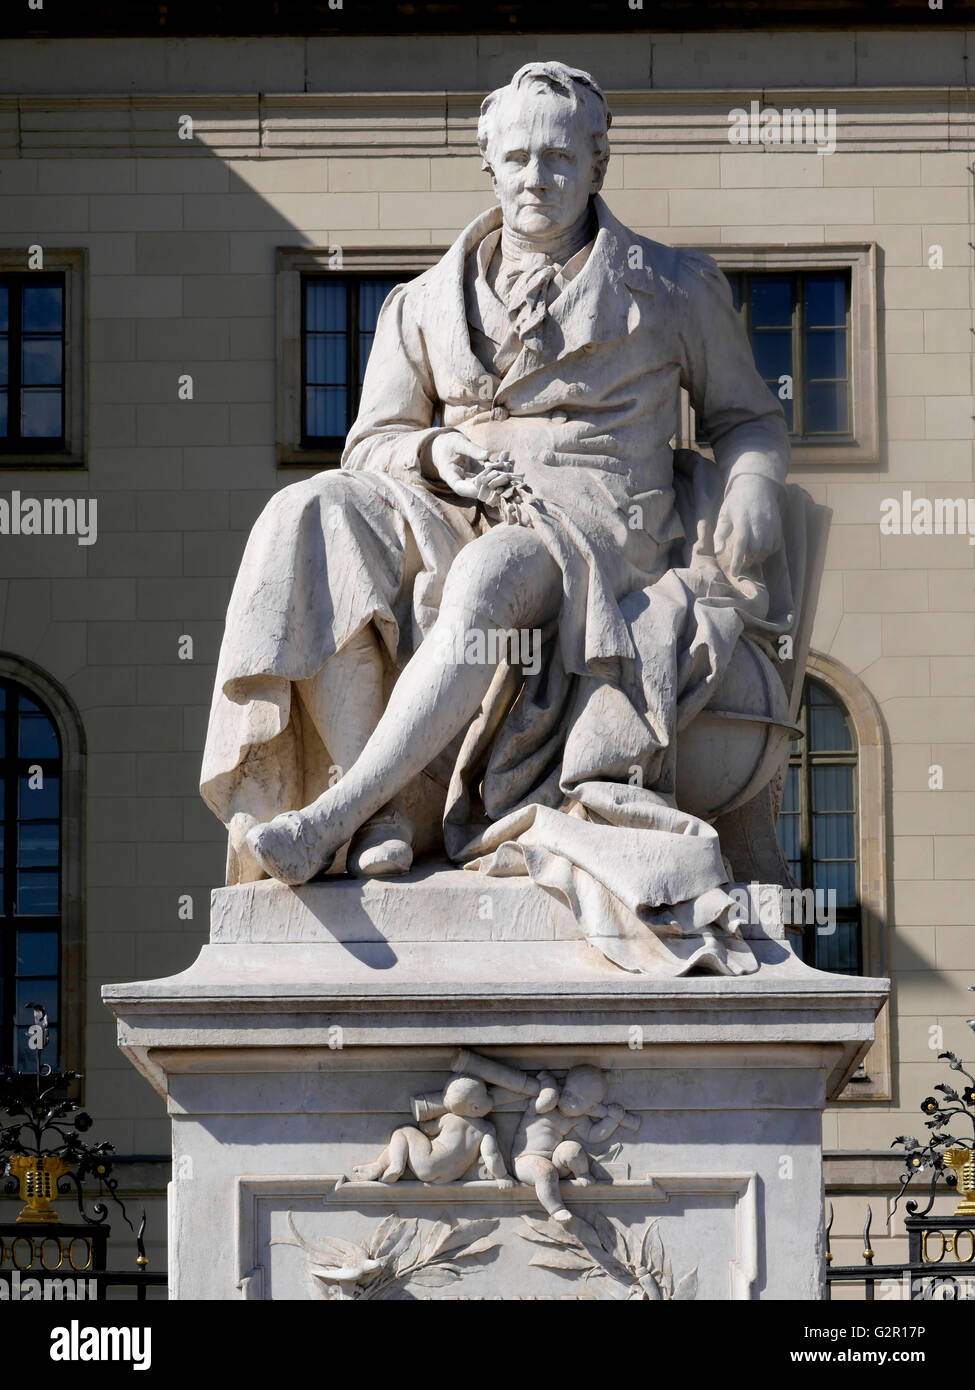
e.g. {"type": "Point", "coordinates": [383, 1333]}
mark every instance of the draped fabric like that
{"type": "Point", "coordinates": [567, 775]}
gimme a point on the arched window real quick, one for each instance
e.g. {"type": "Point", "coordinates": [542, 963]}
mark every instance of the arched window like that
{"type": "Point", "coordinates": [42, 864]}
{"type": "Point", "coordinates": [30, 868]}
{"type": "Point", "coordinates": [819, 832]}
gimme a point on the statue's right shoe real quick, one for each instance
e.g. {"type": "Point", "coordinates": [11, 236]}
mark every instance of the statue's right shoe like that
{"type": "Point", "coordinates": [288, 849]}
{"type": "Point", "coordinates": [381, 847]}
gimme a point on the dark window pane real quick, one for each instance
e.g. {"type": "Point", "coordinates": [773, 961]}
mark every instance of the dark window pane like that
{"type": "Point", "coordinates": [790, 792]}
{"type": "Point", "coordinates": [25, 1060]}
{"type": "Point", "coordinates": [833, 837]}
{"type": "Point", "coordinates": [787, 408]}
{"type": "Point", "coordinates": [325, 358]}
{"type": "Point", "coordinates": [38, 736]}
{"type": "Point", "coordinates": [826, 408]}
{"type": "Point", "coordinates": [40, 414]}
{"type": "Point", "coordinates": [42, 309]}
{"type": "Point", "coordinates": [825, 300]}
{"type": "Point", "coordinates": [38, 844]}
{"type": "Point", "coordinates": [37, 953]}
{"type": "Point", "coordinates": [789, 836]}
{"type": "Point", "coordinates": [734, 280]}
{"type": "Point", "coordinates": [4, 309]}
{"type": "Point", "coordinates": [372, 295]}
{"type": "Point", "coordinates": [773, 354]}
{"type": "Point", "coordinates": [826, 353]}
{"type": "Point", "coordinates": [829, 730]}
{"type": "Point", "coordinates": [4, 361]}
{"type": "Point", "coordinates": [3, 414]}
{"type": "Point", "coordinates": [771, 301]}
{"type": "Point", "coordinates": [832, 789]}
{"type": "Point", "coordinates": [839, 879]}
{"type": "Point", "coordinates": [325, 410]}
{"type": "Point", "coordinates": [37, 893]}
{"type": "Point", "coordinates": [325, 306]}
{"type": "Point", "coordinates": [839, 951]}
{"type": "Point", "coordinates": [365, 348]}
{"type": "Point", "coordinates": [43, 992]}
{"type": "Point", "coordinates": [41, 361]}
{"type": "Point", "coordinates": [39, 802]}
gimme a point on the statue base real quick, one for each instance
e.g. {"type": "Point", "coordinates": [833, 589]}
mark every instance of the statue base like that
{"type": "Point", "coordinates": [290, 1051]}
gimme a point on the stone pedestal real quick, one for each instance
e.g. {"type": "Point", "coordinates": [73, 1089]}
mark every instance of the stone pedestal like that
{"type": "Point", "coordinates": [290, 1050]}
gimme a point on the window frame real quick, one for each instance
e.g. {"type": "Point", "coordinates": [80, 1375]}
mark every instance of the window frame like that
{"type": "Point", "coordinates": [14, 766]}
{"type": "Point", "coordinates": [294, 265]}
{"type": "Point", "coordinates": [72, 956]}
{"type": "Point", "coordinates": [860, 448]}
{"type": "Point", "coordinates": [805, 758]}
{"type": "Point", "coordinates": [873, 796]}
{"type": "Point", "coordinates": [72, 264]}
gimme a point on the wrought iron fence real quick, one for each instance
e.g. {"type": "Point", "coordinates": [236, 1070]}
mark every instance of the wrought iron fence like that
{"type": "Point", "coordinates": [940, 1262]}
{"type": "Point", "coordinates": [52, 1261]}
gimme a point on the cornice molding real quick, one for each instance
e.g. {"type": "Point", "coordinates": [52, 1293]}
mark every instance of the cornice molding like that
{"type": "Point", "coordinates": [281, 125]}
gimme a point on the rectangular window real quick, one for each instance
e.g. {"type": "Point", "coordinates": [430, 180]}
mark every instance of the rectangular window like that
{"type": "Point", "coordinates": [328, 306]}
{"type": "Point", "coordinates": [799, 329]}
{"type": "Point", "coordinates": [810, 314]}
{"type": "Point", "coordinates": [31, 362]}
{"type": "Point", "coordinates": [339, 314]}
{"type": "Point", "coordinates": [42, 360]}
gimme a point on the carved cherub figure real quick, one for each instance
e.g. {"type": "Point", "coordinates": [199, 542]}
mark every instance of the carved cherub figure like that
{"type": "Point", "coordinates": [548, 1144]}
{"type": "Point", "coordinates": [544, 1152]}
{"type": "Point", "coordinates": [443, 1149]}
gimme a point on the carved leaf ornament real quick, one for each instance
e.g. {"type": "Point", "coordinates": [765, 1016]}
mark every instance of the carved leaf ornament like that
{"type": "Point", "coordinates": [618, 1264]}
{"type": "Point", "coordinates": [399, 1254]}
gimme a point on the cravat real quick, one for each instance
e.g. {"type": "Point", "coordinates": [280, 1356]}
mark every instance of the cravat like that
{"type": "Point", "coordinates": [524, 289]}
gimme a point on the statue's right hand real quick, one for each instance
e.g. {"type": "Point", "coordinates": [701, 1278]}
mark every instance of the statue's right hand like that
{"type": "Point", "coordinates": [461, 465]}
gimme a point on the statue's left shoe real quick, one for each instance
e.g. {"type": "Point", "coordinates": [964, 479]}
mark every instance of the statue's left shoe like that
{"type": "Point", "coordinates": [382, 847]}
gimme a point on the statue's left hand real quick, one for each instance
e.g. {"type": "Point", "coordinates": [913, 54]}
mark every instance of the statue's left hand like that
{"type": "Point", "coordinates": [749, 525]}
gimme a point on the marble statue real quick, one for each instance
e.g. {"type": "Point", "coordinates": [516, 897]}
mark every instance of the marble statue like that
{"type": "Point", "coordinates": [495, 631]}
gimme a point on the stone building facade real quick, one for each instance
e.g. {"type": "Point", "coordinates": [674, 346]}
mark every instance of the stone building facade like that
{"type": "Point", "coordinates": [179, 190]}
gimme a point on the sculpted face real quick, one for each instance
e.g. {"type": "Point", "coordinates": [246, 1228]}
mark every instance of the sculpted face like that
{"type": "Point", "coordinates": [542, 162]}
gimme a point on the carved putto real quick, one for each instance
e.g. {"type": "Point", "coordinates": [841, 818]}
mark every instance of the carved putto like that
{"type": "Point", "coordinates": [558, 1121]}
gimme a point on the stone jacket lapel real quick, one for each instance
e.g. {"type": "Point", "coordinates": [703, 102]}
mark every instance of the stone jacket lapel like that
{"type": "Point", "coordinates": [598, 306]}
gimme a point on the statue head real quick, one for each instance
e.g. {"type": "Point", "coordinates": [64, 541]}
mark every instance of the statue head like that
{"type": "Point", "coordinates": [544, 138]}
{"type": "Point", "coordinates": [583, 1088]}
{"type": "Point", "coordinates": [466, 1095]}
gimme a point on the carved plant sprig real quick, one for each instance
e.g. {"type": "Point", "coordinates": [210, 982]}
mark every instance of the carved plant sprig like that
{"type": "Point", "coordinates": [398, 1253]}
{"type": "Point", "coordinates": [616, 1263]}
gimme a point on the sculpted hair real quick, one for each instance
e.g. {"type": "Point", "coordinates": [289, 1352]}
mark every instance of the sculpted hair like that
{"type": "Point", "coordinates": [574, 85]}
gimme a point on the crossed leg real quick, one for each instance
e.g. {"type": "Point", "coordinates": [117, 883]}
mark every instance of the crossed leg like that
{"type": "Point", "coordinates": [504, 579]}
